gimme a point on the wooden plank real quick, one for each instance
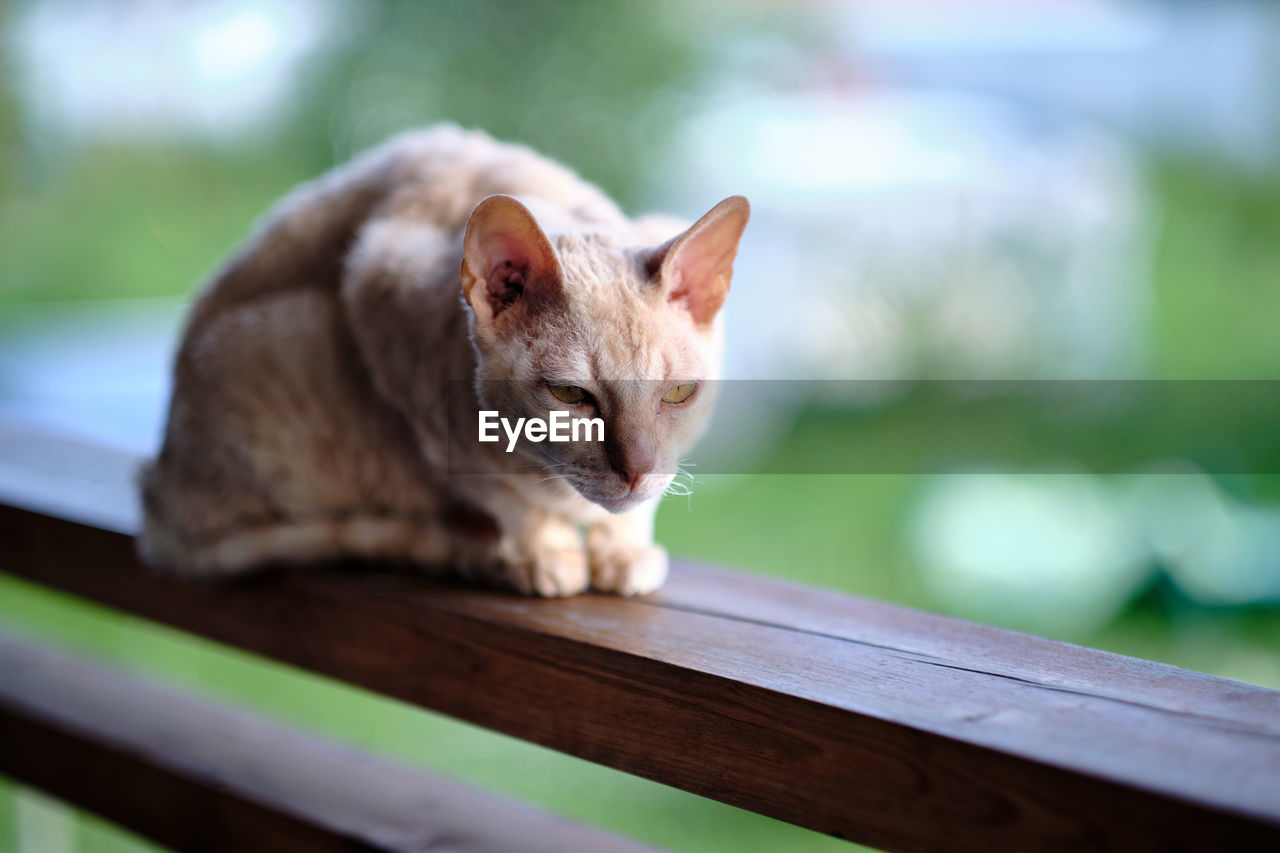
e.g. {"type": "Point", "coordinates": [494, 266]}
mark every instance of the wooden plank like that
{"type": "Point", "coordinates": [193, 775]}
{"type": "Point", "coordinates": [866, 721]}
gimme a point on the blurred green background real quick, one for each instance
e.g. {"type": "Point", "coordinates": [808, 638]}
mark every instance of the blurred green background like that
{"type": "Point", "coordinates": [140, 140]}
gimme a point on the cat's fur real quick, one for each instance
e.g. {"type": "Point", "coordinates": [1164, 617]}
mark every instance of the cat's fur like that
{"type": "Point", "coordinates": [308, 418]}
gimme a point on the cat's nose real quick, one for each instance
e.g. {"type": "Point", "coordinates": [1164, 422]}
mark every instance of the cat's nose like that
{"type": "Point", "coordinates": [632, 461]}
{"type": "Point", "coordinates": [632, 469]}
{"type": "Point", "coordinates": [632, 476]}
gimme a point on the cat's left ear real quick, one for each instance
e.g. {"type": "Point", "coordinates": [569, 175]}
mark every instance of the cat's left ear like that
{"type": "Point", "coordinates": [694, 268]}
{"type": "Point", "coordinates": [507, 261]}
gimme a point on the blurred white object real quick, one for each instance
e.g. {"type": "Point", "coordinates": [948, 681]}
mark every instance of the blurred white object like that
{"type": "Point", "coordinates": [97, 371]}
{"type": "Point", "coordinates": [147, 69]}
{"type": "Point", "coordinates": [1216, 550]}
{"type": "Point", "coordinates": [1063, 554]}
{"type": "Point", "coordinates": [925, 234]}
{"type": "Point", "coordinates": [1127, 65]}
{"type": "Point", "coordinates": [1044, 553]}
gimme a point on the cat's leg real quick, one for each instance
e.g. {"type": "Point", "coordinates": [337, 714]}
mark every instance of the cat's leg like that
{"type": "Point", "coordinates": [542, 555]}
{"type": "Point", "coordinates": [537, 553]}
{"type": "Point", "coordinates": [622, 555]}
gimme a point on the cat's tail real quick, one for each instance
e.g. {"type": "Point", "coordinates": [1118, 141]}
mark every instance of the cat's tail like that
{"type": "Point", "coordinates": [407, 542]}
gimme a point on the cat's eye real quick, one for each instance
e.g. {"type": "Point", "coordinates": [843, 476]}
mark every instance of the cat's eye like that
{"type": "Point", "coordinates": [570, 394]}
{"type": "Point", "coordinates": [680, 393]}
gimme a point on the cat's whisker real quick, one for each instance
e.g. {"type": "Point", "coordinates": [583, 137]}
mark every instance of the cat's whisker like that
{"type": "Point", "coordinates": [549, 468]}
{"type": "Point", "coordinates": [554, 475]}
{"type": "Point", "coordinates": [538, 467]}
{"type": "Point", "coordinates": [682, 470]}
{"type": "Point", "coordinates": [677, 489]}
{"type": "Point", "coordinates": [681, 484]}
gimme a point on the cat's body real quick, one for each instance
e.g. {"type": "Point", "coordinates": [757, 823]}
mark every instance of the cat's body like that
{"type": "Point", "coordinates": [308, 419]}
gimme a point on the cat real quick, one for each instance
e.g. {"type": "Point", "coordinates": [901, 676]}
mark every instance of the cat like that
{"type": "Point", "coordinates": [309, 422]}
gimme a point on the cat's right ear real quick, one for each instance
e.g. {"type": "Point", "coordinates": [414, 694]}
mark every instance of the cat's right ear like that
{"type": "Point", "coordinates": [695, 267]}
{"type": "Point", "coordinates": [508, 265]}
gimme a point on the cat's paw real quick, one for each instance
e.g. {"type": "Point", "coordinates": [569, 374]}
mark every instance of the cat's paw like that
{"type": "Point", "coordinates": [548, 572]}
{"type": "Point", "coordinates": [628, 570]}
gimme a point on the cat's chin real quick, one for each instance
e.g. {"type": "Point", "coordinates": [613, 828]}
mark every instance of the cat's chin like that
{"type": "Point", "coordinates": [616, 502]}
{"type": "Point", "coordinates": [622, 504]}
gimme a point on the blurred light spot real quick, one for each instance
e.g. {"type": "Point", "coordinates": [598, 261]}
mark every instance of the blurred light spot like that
{"type": "Point", "coordinates": [236, 46]}
{"type": "Point", "coordinates": [42, 824]}
{"type": "Point", "coordinates": [1216, 550]}
{"type": "Point", "coordinates": [1063, 554]}
{"type": "Point", "coordinates": [939, 234]}
{"type": "Point", "coordinates": [143, 70]}
{"type": "Point", "coordinates": [1045, 553]}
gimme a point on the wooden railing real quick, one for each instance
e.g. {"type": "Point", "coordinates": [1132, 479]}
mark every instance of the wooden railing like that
{"type": "Point", "coordinates": [870, 722]}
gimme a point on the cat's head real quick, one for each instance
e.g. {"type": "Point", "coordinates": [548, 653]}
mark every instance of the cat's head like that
{"type": "Point", "coordinates": [605, 323]}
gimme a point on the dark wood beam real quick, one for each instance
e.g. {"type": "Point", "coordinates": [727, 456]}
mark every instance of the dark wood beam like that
{"type": "Point", "coordinates": [198, 776]}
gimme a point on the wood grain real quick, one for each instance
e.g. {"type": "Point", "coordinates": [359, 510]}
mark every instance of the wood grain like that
{"type": "Point", "coordinates": [866, 721]}
{"type": "Point", "coordinates": [197, 776]}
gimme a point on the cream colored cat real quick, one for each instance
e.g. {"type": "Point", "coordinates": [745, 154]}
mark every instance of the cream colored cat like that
{"type": "Point", "coordinates": [308, 418]}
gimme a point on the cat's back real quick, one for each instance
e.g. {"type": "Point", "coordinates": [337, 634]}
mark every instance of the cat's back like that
{"type": "Point", "coordinates": [433, 177]}
{"type": "Point", "coordinates": [447, 171]}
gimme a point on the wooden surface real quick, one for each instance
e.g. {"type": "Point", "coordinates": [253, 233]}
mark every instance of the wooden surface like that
{"type": "Point", "coordinates": [867, 721]}
{"type": "Point", "coordinates": [196, 776]}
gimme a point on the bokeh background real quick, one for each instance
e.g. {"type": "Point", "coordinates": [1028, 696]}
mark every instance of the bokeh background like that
{"type": "Point", "coordinates": [979, 189]}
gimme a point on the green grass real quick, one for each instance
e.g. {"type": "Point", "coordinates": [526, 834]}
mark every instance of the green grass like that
{"type": "Point", "coordinates": [1216, 277]}
{"type": "Point", "coordinates": [132, 222]}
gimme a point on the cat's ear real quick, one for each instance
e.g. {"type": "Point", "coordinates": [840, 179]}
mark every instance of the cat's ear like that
{"type": "Point", "coordinates": [694, 268]}
{"type": "Point", "coordinates": [507, 260]}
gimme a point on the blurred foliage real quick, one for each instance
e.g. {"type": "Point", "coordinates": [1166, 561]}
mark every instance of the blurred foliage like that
{"type": "Point", "coordinates": [596, 85]}
{"type": "Point", "coordinates": [119, 221]}
{"type": "Point", "coordinates": [1216, 276]}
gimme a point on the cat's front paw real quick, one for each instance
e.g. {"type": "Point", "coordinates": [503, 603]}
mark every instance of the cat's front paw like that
{"type": "Point", "coordinates": [548, 572]}
{"type": "Point", "coordinates": [629, 570]}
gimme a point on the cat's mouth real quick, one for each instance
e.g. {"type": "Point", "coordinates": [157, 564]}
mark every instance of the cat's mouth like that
{"type": "Point", "coordinates": [615, 496]}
